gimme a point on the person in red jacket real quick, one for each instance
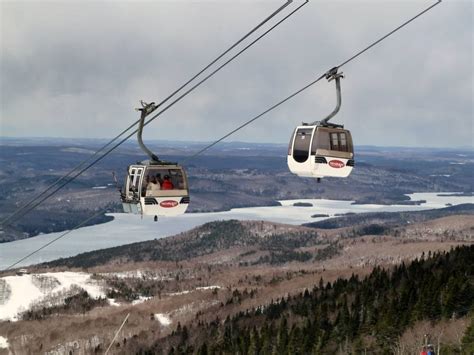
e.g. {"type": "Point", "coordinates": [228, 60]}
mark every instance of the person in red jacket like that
{"type": "Point", "coordinates": [167, 184]}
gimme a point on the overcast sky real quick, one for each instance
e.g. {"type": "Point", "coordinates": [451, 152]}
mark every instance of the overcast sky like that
{"type": "Point", "coordinates": [79, 68]}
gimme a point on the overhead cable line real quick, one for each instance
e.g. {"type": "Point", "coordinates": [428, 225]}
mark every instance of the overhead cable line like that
{"type": "Point", "coordinates": [63, 181]}
{"type": "Point", "coordinates": [131, 134]}
{"type": "Point", "coordinates": [83, 223]}
{"type": "Point", "coordinates": [135, 123]}
{"type": "Point", "coordinates": [326, 74]}
{"type": "Point", "coordinates": [253, 119]}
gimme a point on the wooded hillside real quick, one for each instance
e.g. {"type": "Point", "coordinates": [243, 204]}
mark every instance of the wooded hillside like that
{"type": "Point", "coordinates": [351, 315]}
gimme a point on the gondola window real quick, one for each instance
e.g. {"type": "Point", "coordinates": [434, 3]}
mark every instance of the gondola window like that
{"type": "Point", "coordinates": [339, 142]}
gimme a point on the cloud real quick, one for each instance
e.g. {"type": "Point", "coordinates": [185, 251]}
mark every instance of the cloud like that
{"type": "Point", "coordinates": [77, 69]}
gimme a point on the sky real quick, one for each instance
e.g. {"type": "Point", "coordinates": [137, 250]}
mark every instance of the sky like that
{"type": "Point", "coordinates": [77, 69]}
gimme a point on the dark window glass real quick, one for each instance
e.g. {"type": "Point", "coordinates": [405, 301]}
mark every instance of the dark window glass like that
{"type": "Point", "coordinates": [334, 141]}
{"type": "Point", "coordinates": [342, 142]}
{"type": "Point", "coordinates": [302, 144]}
{"type": "Point", "coordinates": [320, 142]}
{"type": "Point", "coordinates": [339, 141]}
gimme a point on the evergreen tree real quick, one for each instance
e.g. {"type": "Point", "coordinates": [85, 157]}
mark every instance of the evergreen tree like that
{"type": "Point", "coordinates": [467, 343]}
{"type": "Point", "coordinates": [282, 340]}
{"type": "Point", "coordinates": [203, 349]}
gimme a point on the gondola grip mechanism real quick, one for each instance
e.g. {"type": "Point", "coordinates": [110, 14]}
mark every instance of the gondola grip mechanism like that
{"type": "Point", "coordinates": [145, 110]}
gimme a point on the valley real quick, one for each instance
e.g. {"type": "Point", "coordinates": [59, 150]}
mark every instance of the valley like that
{"type": "Point", "coordinates": [229, 176]}
{"type": "Point", "coordinates": [243, 283]}
{"type": "Point", "coordinates": [222, 270]}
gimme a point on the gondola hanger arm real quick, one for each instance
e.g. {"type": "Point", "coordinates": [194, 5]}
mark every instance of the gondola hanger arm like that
{"type": "Point", "coordinates": [145, 110]}
{"type": "Point", "coordinates": [331, 75]}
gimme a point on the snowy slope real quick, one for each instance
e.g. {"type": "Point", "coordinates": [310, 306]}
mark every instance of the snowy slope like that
{"type": "Point", "coordinates": [23, 291]}
{"type": "Point", "coordinates": [3, 343]}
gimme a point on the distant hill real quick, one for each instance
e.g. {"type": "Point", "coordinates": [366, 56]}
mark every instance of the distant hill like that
{"type": "Point", "coordinates": [258, 242]}
{"type": "Point", "coordinates": [228, 176]}
{"type": "Point", "coordinates": [385, 220]}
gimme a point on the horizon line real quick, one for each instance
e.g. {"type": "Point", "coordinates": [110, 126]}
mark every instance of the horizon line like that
{"type": "Point", "coordinates": [224, 142]}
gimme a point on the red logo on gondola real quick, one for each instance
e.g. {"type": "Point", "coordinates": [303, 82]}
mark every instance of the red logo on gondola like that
{"type": "Point", "coordinates": [336, 164]}
{"type": "Point", "coordinates": [168, 203]}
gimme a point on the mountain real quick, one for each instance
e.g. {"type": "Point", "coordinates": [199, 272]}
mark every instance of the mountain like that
{"type": "Point", "coordinates": [226, 281]}
{"type": "Point", "coordinates": [230, 175]}
{"type": "Point", "coordinates": [388, 219]}
{"type": "Point", "coordinates": [250, 242]}
{"type": "Point", "coordinates": [354, 315]}
{"type": "Point", "coordinates": [259, 242]}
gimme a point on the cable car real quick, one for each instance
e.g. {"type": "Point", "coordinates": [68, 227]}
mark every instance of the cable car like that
{"type": "Point", "coordinates": [154, 187]}
{"type": "Point", "coordinates": [322, 149]}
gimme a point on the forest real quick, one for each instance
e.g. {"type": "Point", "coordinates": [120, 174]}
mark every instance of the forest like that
{"type": "Point", "coordinates": [349, 315]}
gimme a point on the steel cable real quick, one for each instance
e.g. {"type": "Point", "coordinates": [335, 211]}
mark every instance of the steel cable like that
{"type": "Point", "coordinates": [258, 116]}
{"type": "Point", "coordinates": [20, 212]}
{"type": "Point", "coordinates": [33, 205]}
{"type": "Point", "coordinates": [251, 120]}
{"type": "Point", "coordinates": [310, 84]}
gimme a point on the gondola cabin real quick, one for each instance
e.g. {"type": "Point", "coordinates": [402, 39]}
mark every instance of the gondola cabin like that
{"type": "Point", "coordinates": [156, 190]}
{"type": "Point", "coordinates": [321, 151]}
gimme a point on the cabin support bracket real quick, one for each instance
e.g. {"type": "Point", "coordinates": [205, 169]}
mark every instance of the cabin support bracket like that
{"type": "Point", "coordinates": [330, 76]}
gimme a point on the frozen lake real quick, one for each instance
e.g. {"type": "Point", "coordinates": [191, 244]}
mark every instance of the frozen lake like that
{"type": "Point", "coordinates": [125, 229]}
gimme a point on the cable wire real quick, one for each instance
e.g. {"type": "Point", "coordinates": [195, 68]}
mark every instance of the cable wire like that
{"type": "Point", "coordinates": [56, 239]}
{"type": "Point", "coordinates": [254, 118]}
{"type": "Point", "coordinates": [310, 84]}
{"type": "Point", "coordinates": [388, 34]}
{"type": "Point", "coordinates": [246, 123]}
{"type": "Point", "coordinates": [32, 204]}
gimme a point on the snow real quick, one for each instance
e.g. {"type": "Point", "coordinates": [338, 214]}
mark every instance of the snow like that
{"type": "Point", "coordinates": [113, 302]}
{"type": "Point", "coordinates": [179, 293]}
{"type": "Point", "coordinates": [207, 287]}
{"type": "Point", "coordinates": [126, 228]}
{"type": "Point", "coordinates": [140, 274]}
{"type": "Point", "coordinates": [99, 187]}
{"type": "Point", "coordinates": [185, 292]}
{"type": "Point", "coordinates": [141, 299]}
{"type": "Point", "coordinates": [124, 274]}
{"type": "Point", "coordinates": [24, 292]}
{"type": "Point", "coordinates": [163, 319]}
{"type": "Point", "coordinates": [3, 343]}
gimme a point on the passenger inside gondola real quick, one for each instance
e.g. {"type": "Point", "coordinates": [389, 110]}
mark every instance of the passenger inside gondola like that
{"type": "Point", "coordinates": [153, 187]}
{"type": "Point", "coordinates": [145, 185]}
{"type": "Point", "coordinates": [159, 179]}
{"type": "Point", "coordinates": [167, 183]}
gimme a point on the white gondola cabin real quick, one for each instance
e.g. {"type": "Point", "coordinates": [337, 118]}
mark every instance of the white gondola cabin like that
{"type": "Point", "coordinates": [154, 187]}
{"type": "Point", "coordinates": [321, 149]}
{"type": "Point", "coordinates": [318, 151]}
{"type": "Point", "coordinates": [156, 190]}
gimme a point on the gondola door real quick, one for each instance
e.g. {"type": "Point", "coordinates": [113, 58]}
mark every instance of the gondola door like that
{"type": "Point", "coordinates": [132, 190]}
{"type": "Point", "coordinates": [133, 181]}
{"type": "Point", "coordinates": [302, 144]}
{"type": "Point", "coordinates": [299, 151]}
